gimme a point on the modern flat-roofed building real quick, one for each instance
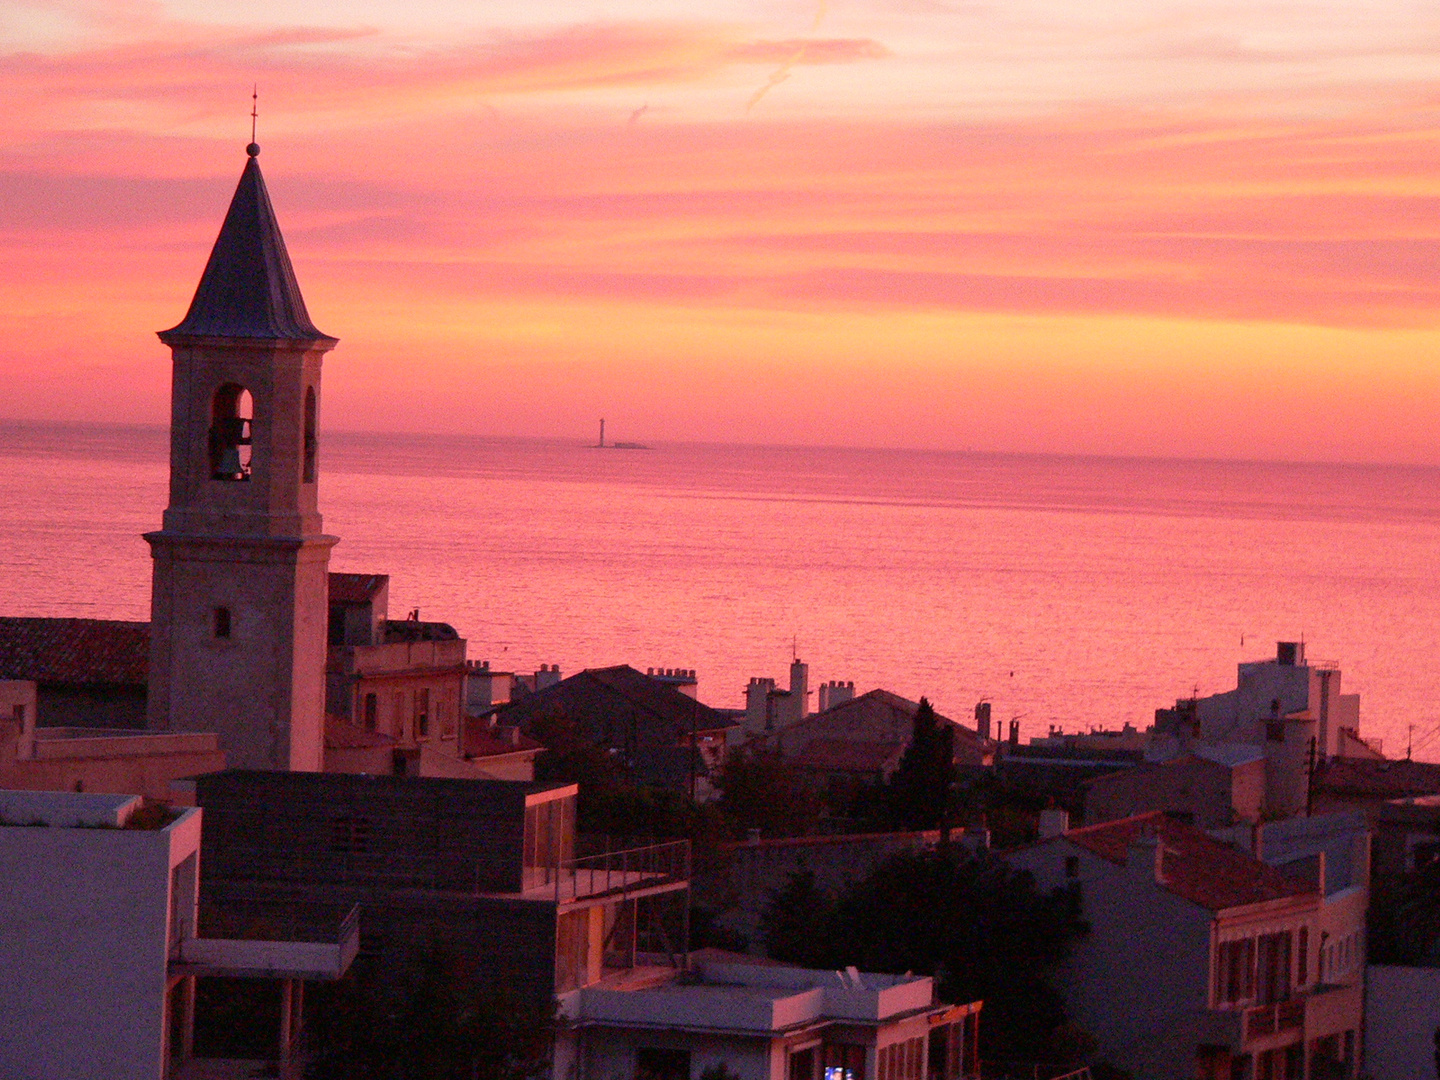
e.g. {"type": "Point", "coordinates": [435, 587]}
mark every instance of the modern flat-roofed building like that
{"type": "Point", "coordinates": [766, 1021]}
{"type": "Point", "coordinates": [102, 945]}
{"type": "Point", "coordinates": [486, 869]}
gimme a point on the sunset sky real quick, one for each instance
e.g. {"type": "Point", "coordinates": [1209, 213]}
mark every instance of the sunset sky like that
{"type": "Point", "coordinates": [1142, 227]}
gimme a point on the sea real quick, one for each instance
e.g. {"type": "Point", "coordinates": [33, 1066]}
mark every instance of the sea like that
{"type": "Point", "coordinates": [1070, 592]}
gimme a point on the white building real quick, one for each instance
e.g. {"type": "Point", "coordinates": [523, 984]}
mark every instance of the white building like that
{"type": "Point", "coordinates": [98, 940]}
{"type": "Point", "coordinates": [1203, 960]}
{"type": "Point", "coordinates": [765, 1021]}
{"type": "Point", "coordinates": [1267, 693]}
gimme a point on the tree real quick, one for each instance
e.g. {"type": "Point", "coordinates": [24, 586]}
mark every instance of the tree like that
{"type": "Point", "coordinates": [1404, 917]}
{"type": "Point", "coordinates": [796, 920]}
{"type": "Point", "coordinates": [978, 926]}
{"type": "Point", "coordinates": [922, 787]}
{"type": "Point", "coordinates": [760, 790]}
{"type": "Point", "coordinates": [439, 1024]}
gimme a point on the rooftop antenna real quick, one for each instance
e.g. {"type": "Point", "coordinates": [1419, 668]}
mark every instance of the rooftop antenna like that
{"type": "Point", "coordinates": [254, 148]}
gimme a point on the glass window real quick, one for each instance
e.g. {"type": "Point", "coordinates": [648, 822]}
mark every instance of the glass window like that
{"type": "Point", "coordinates": [222, 622]}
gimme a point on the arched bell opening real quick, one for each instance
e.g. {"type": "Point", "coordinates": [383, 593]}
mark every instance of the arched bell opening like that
{"type": "Point", "coordinates": [231, 416]}
{"type": "Point", "coordinates": [311, 440]}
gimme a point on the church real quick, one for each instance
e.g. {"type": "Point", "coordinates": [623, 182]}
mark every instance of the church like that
{"type": "Point", "coordinates": [254, 654]}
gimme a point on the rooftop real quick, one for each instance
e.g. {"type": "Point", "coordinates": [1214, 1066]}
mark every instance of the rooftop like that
{"type": "Point", "coordinates": [658, 707]}
{"type": "Point", "coordinates": [356, 588]}
{"type": "Point", "coordinates": [723, 993]}
{"type": "Point", "coordinates": [77, 651]}
{"type": "Point", "coordinates": [248, 289]}
{"type": "Point", "coordinates": [843, 755]}
{"type": "Point", "coordinates": [1195, 867]}
{"type": "Point", "coordinates": [1368, 778]}
{"type": "Point", "coordinates": [76, 810]}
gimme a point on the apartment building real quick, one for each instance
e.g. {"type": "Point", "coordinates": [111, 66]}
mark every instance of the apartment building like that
{"type": "Point", "coordinates": [765, 1021]}
{"type": "Point", "coordinates": [486, 869]}
{"type": "Point", "coordinates": [1227, 961]}
{"type": "Point", "coordinates": [103, 940]}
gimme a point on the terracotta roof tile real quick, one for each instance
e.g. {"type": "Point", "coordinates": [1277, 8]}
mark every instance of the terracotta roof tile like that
{"type": "Point", "coordinates": [1196, 867]}
{"type": "Point", "coordinates": [356, 588]}
{"type": "Point", "coordinates": [1366, 778]}
{"type": "Point", "coordinates": [77, 651]}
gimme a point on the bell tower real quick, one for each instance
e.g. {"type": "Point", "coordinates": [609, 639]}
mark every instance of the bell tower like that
{"type": "Point", "coordinates": [239, 601]}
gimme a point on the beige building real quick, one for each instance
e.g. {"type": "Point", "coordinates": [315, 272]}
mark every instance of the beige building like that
{"type": "Point", "coordinates": [1210, 789]}
{"type": "Point", "coordinates": [765, 1021]}
{"type": "Point", "coordinates": [238, 611]}
{"type": "Point", "coordinates": [1223, 961]}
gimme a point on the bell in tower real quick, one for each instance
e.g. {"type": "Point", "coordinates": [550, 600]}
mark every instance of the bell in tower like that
{"type": "Point", "coordinates": [239, 602]}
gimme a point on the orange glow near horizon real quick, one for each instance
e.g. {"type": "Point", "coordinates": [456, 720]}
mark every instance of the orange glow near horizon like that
{"type": "Point", "coordinates": [891, 223]}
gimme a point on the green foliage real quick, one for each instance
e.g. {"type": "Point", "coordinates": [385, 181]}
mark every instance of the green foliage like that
{"type": "Point", "coordinates": [1404, 919]}
{"type": "Point", "coordinates": [923, 784]}
{"type": "Point", "coordinates": [974, 923]}
{"type": "Point", "coordinates": [796, 921]}
{"type": "Point", "coordinates": [646, 811]}
{"type": "Point", "coordinates": [441, 1024]}
{"type": "Point", "coordinates": [706, 932]}
{"type": "Point", "coordinates": [761, 790]}
{"type": "Point", "coordinates": [573, 757]}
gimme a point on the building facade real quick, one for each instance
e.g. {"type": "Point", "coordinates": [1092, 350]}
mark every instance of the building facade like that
{"type": "Point", "coordinates": [1205, 959]}
{"type": "Point", "coordinates": [238, 609]}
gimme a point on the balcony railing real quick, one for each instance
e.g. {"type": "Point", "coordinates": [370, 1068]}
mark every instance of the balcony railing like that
{"type": "Point", "coordinates": [1271, 1019]}
{"type": "Point", "coordinates": [622, 872]}
{"type": "Point", "coordinates": [274, 948]}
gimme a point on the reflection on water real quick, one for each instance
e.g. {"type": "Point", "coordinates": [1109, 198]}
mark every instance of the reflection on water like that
{"type": "Point", "coordinates": [1067, 590]}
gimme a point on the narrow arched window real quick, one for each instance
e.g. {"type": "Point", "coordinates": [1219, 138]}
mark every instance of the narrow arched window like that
{"type": "Point", "coordinates": [231, 414]}
{"type": "Point", "coordinates": [311, 442]}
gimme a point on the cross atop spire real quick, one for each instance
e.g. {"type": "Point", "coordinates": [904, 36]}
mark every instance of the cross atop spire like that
{"type": "Point", "coordinates": [248, 289]}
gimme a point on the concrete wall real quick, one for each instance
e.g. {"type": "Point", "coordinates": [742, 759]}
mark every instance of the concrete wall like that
{"type": "Point", "coordinates": [255, 547]}
{"type": "Point", "coordinates": [420, 834]}
{"type": "Point", "coordinates": [85, 917]}
{"type": "Point", "coordinates": [1402, 1019]}
{"type": "Point", "coordinates": [1139, 981]}
{"type": "Point", "coordinates": [609, 1053]}
{"type": "Point", "coordinates": [1196, 786]}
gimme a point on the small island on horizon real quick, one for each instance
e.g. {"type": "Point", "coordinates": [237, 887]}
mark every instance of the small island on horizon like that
{"type": "Point", "coordinates": [603, 445]}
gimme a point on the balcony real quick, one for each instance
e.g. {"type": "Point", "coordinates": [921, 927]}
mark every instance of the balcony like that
{"type": "Point", "coordinates": [271, 951]}
{"type": "Point", "coordinates": [1267, 1020]}
{"type": "Point", "coordinates": [636, 871]}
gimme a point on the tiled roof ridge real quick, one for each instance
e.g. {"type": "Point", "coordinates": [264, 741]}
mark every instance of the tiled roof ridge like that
{"type": "Point", "coordinates": [606, 677]}
{"type": "Point", "coordinates": [1197, 867]}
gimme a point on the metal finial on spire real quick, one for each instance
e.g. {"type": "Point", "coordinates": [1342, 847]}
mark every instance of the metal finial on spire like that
{"type": "Point", "coordinates": [254, 148]}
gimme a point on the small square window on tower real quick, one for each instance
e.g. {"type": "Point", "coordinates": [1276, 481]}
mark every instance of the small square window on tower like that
{"type": "Point", "coordinates": [222, 622]}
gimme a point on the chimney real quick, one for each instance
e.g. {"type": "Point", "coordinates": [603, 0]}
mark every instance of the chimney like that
{"type": "Point", "coordinates": [1014, 732]}
{"type": "Point", "coordinates": [1250, 838]}
{"type": "Point", "coordinates": [799, 688]}
{"type": "Point", "coordinates": [1287, 653]}
{"type": "Point", "coordinates": [1054, 822]}
{"type": "Point", "coordinates": [1145, 858]}
{"type": "Point", "coordinates": [982, 719]}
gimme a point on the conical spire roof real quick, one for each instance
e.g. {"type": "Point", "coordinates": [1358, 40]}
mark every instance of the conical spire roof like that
{"type": "Point", "coordinates": [248, 289]}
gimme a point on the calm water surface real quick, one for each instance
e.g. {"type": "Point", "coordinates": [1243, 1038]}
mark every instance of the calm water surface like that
{"type": "Point", "coordinates": [1070, 591]}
